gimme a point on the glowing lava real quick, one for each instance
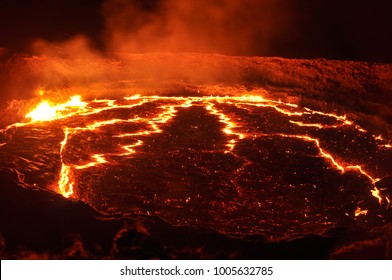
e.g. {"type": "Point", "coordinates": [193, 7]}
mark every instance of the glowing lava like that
{"type": "Point", "coordinates": [233, 127]}
{"type": "Point", "coordinates": [47, 112]}
{"type": "Point", "coordinates": [43, 112]}
{"type": "Point", "coordinates": [360, 211]}
{"type": "Point", "coordinates": [65, 185]}
{"type": "Point", "coordinates": [229, 126]}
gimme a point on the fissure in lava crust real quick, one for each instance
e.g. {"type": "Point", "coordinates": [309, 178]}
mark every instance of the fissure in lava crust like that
{"type": "Point", "coordinates": [235, 164]}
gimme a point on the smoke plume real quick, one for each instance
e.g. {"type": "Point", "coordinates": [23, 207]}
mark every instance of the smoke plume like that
{"type": "Point", "coordinates": [218, 26]}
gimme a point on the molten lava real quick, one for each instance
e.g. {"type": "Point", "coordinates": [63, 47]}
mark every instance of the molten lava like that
{"type": "Point", "coordinates": [47, 112]}
{"type": "Point", "coordinates": [109, 136]}
{"type": "Point", "coordinates": [43, 112]}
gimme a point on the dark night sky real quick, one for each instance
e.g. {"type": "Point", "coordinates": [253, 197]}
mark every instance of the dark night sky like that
{"type": "Point", "coordinates": [333, 29]}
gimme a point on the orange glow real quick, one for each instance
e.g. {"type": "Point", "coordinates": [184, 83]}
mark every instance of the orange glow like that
{"type": "Point", "coordinates": [308, 124]}
{"type": "Point", "coordinates": [384, 143]}
{"type": "Point", "coordinates": [65, 186]}
{"type": "Point", "coordinates": [47, 112]}
{"type": "Point", "coordinates": [43, 112]}
{"type": "Point", "coordinates": [98, 159]}
{"type": "Point", "coordinates": [359, 168]}
{"type": "Point", "coordinates": [328, 156]}
{"type": "Point", "coordinates": [75, 101]}
{"type": "Point", "coordinates": [130, 148]}
{"type": "Point", "coordinates": [360, 211]}
{"type": "Point", "coordinates": [376, 193]}
{"type": "Point", "coordinates": [65, 182]}
{"type": "Point", "coordinates": [229, 126]}
{"type": "Point", "coordinates": [322, 153]}
{"type": "Point", "coordinates": [232, 128]}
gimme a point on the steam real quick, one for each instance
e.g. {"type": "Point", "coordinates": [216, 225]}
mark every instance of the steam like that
{"type": "Point", "coordinates": [157, 31]}
{"type": "Point", "coordinates": [137, 26]}
{"type": "Point", "coordinates": [218, 26]}
{"type": "Point", "coordinates": [78, 47]}
{"type": "Point", "coordinates": [227, 27]}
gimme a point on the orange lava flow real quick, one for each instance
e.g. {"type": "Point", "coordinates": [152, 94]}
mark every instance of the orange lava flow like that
{"type": "Point", "coordinates": [360, 211]}
{"type": "Point", "coordinates": [232, 128]}
{"type": "Point", "coordinates": [384, 143]}
{"type": "Point", "coordinates": [47, 112]}
{"type": "Point", "coordinates": [229, 126]}
{"type": "Point", "coordinates": [376, 193]}
{"type": "Point", "coordinates": [65, 184]}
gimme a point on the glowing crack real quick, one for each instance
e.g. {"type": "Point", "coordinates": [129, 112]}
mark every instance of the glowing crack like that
{"type": "Point", "coordinates": [235, 130]}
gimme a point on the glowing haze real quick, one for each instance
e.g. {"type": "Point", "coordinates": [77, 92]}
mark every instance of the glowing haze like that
{"type": "Point", "coordinates": [215, 26]}
{"type": "Point", "coordinates": [219, 26]}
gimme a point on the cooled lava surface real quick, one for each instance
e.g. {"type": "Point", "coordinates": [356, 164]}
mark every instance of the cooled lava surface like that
{"type": "Point", "coordinates": [235, 165]}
